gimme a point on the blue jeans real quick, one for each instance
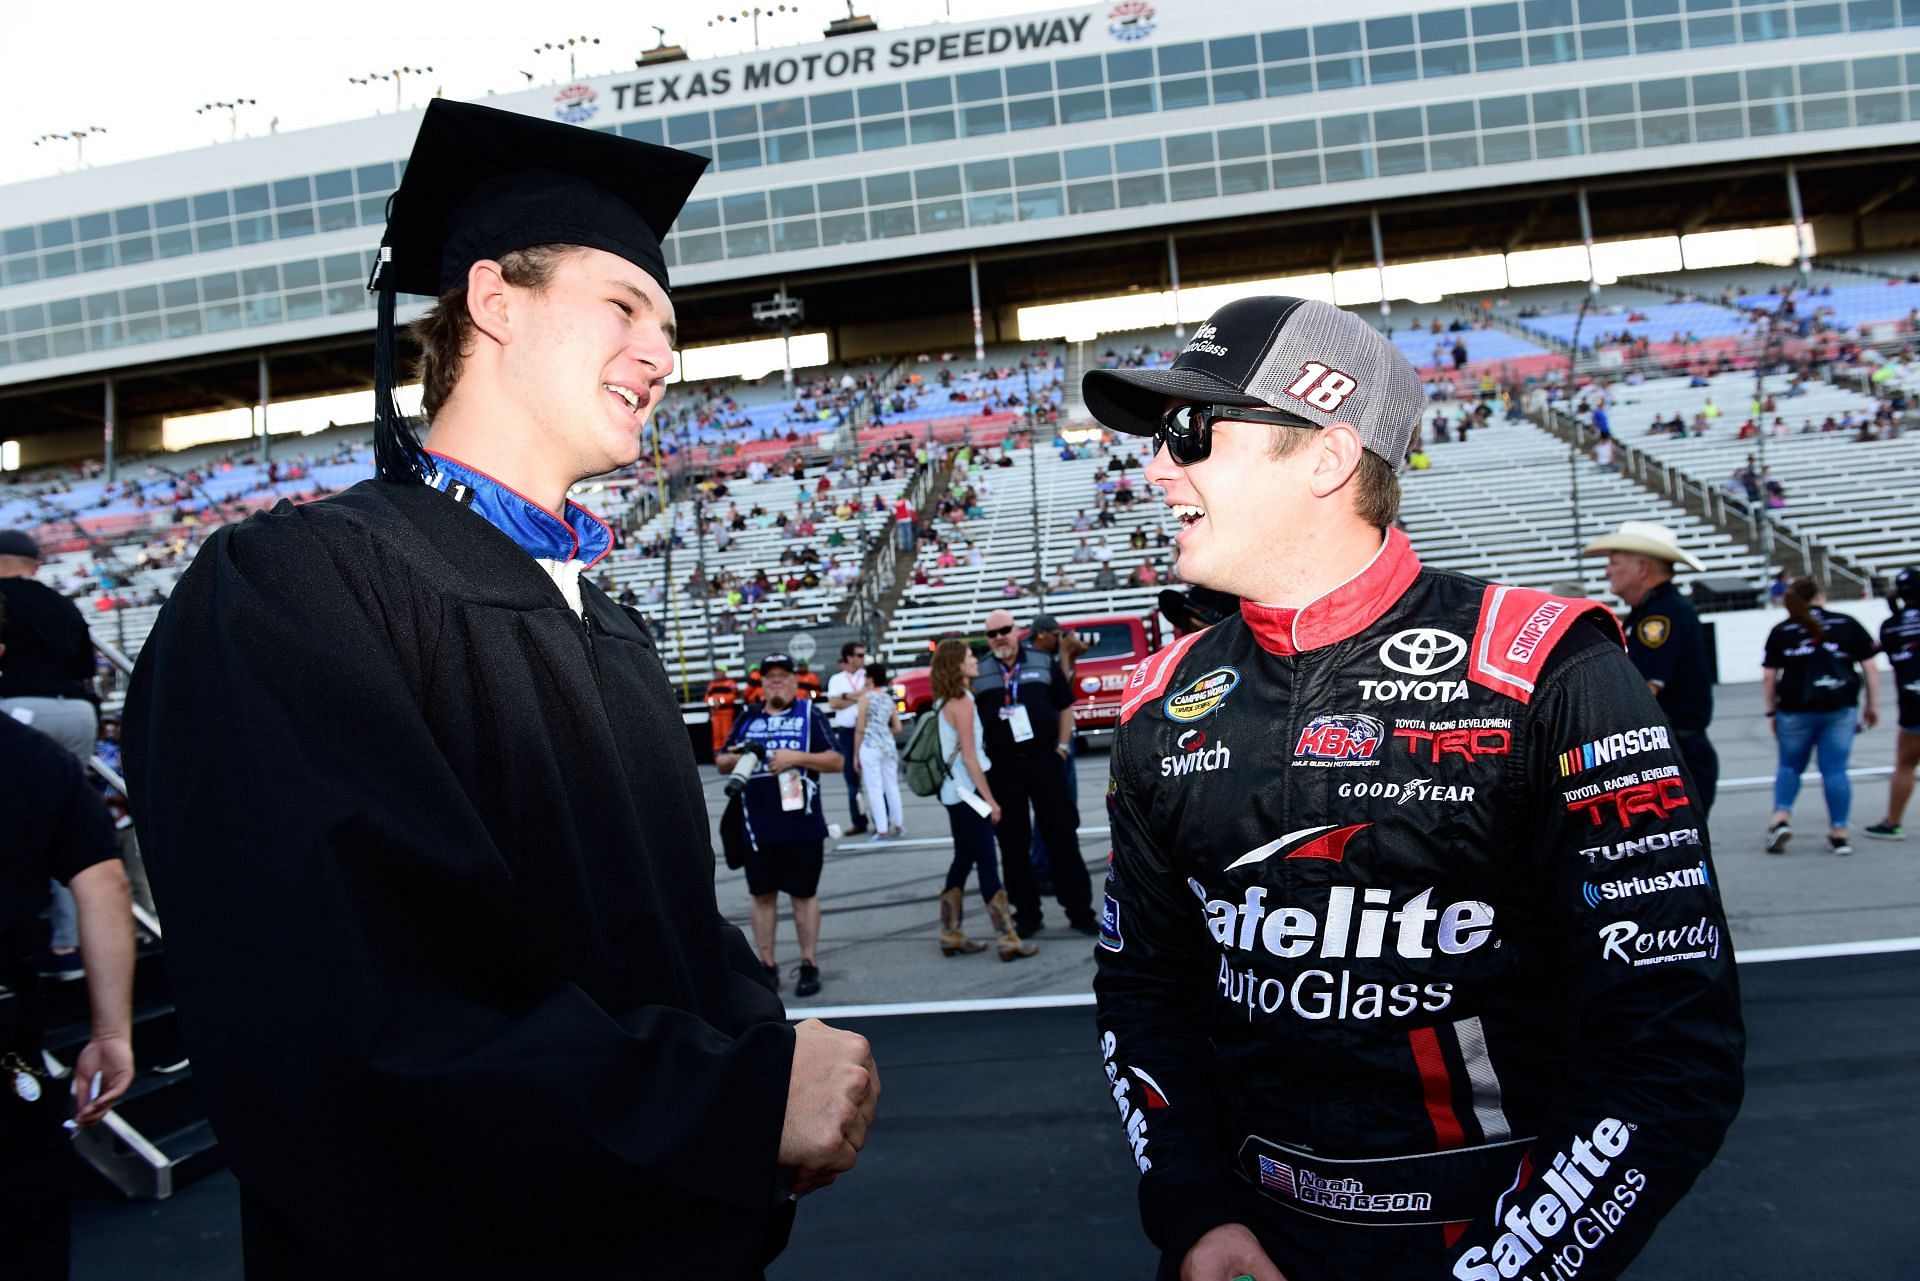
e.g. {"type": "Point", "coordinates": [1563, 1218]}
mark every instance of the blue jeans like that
{"type": "Point", "coordinates": [973, 849]}
{"type": "Point", "coordinates": [1832, 734]}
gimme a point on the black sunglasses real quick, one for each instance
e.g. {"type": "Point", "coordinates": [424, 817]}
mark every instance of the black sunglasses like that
{"type": "Point", "coordinates": [1187, 430]}
{"type": "Point", "coordinates": [995, 633]}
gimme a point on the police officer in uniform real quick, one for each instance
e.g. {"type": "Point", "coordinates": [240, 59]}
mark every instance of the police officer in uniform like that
{"type": "Point", "coordinates": [1665, 639]}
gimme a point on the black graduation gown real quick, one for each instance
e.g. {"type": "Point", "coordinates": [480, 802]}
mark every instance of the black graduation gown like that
{"type": "Point", "coordinates": [433, 863]}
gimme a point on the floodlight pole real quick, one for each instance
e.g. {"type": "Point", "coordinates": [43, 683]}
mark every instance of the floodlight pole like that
{"type": "Point", "coordinates": [1173, 274]}
{"type": "Point", "coordinates": [1574, 446]}
{"type": "Point", "coordinates": [1380, 260]}
{"type": "Point", "coordinates": [1586, 238]}
{"type": "Point", "coordinates": [1033, 483]}
{"type": "Point", "coordinates": [1799, 224]}
{"type": "Point", "coordinates": [979, 333]}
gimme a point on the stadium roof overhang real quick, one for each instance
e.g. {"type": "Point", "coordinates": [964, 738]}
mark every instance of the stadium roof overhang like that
{"type": "Point", "coordinates": [1838, 188]}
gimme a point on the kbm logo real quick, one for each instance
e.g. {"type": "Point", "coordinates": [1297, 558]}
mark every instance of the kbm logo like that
{"type": "Point", "coordinates": [1422, 651]}
{"type": "Point", "coordinates": [1639, 886]}
{"type": "Point", "coordinates": [576, 104]}
{"type": "Point", "coordinates": [1346, 739]}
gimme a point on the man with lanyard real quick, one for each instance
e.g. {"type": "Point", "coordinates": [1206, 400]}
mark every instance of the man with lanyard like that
{"type": "Point", "coordinates": [55, 829]}
{"type": "Point", "coordinates": [421, 814]}
{"type": "Point", "coordinates": [1394, 979]}
{"type": "Point", "coordinates": [1666, 641]}
{"type": "Point", "coordinates": [786, 828]}
{"type": "Point", "coordinates": [844, 689]}
{"type": "Point", "coordinates": [1026, 711]}
{"type": "Point", "coordinates": [48, 684]}
{"type": "Point", "coordinates": [1900, 642]}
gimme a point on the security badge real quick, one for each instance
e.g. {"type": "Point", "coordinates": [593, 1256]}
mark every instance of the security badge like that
{"type": "Point", "coordinates": [1653, 631]}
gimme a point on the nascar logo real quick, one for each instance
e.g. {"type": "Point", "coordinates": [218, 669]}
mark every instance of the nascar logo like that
{"type": "Point", "coordinates": [1604, 751]}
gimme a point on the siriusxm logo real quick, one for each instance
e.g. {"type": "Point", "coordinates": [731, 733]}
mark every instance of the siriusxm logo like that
{"type": "Point", "coordinates": [1639, 886]}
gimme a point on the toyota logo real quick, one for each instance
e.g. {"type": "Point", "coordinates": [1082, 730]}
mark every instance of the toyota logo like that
{"type": "Point", "coordinates": [1422, 651]}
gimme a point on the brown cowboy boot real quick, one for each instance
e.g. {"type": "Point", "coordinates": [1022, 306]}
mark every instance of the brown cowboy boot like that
{"type": "Point", "coordinates": [953, 940]}
{"type": "Point", "coordinates": [1012, 948]}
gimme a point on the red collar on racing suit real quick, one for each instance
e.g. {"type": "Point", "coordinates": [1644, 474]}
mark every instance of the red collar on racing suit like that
{"type": "Point", "coordinates": [1345, 611]}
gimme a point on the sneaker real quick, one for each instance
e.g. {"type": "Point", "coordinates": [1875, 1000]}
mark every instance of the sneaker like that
{"type": "Point", "coordinates": [773, 976]}
{"type": "Point", "coordinates": [809, 979]}
{"type": "Point", "coordinates": [1839, 845]}
{"type": "Point", "coordinates": [898, 833]}
{"type": "Point", "coordinates": [1884, 832]}
{"type": "Point", "coordinates": [1777, 837]}
{"type": "Point", "coordinates": [62, 967]}
{"type": "Point", "coordinates": [856, 829]}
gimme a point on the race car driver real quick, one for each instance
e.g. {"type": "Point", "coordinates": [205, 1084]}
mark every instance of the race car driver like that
{"type": "Point", "coordinates": [1413, 963]}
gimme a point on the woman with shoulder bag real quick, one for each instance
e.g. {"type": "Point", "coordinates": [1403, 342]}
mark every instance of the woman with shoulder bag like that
{"type": "Point", "coordinates": [971, 810]}
{"type": "Point", "coordinates": [1816, 664]}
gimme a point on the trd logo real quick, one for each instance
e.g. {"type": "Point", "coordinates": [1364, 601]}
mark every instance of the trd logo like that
{"type": "Point", "coordinates": [1660, 798]}
{"type": "Point", "coordinates": [1467, 744]}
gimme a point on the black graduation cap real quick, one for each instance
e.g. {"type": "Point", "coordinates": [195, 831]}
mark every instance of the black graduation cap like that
{"type": "Point", "coordinates": [483, 182]}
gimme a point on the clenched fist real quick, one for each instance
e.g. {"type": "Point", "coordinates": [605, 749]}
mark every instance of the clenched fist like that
{"type": "Point", "coordinates": [831, 1098]}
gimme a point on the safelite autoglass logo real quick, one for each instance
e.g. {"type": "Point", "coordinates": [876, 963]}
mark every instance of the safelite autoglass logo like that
{"type": "Point", "coordinates": [1130, 20]}
{"type": "Point", "coordinates": [576, 104]}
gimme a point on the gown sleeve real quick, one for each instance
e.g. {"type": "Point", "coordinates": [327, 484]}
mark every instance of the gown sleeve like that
{"type": "Point", "coordinates": [343, 936]}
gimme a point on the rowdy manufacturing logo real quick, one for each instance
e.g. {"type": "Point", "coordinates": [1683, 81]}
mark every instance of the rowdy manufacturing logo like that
{"type": "Point", "coordinates": [1202, 696]}
{"type": "Point", "coordinates": [576, 104]}
{"type": "Point", "coordinates": [1422, 651]}
{"type": "Point", "coordinates": [1130, 20]}
{"type": "Point", "coordinates": [1698, 942]}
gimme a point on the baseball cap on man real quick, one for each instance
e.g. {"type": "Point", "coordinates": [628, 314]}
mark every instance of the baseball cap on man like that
{"type": "Point", "coordinates": [1295, 355]}
{"type": "Point", "coordinates": [18, 542]}
{"type": "Point", "coordinates": [772, 661]}
{"type": "Point", "coordinates": [1043, 623]}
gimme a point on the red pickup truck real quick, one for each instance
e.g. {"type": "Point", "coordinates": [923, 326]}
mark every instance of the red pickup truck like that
{"type": "Point", "coordinates": [1115, 643]}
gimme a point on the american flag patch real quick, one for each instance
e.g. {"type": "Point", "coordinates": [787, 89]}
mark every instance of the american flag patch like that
{"type": "Point", "coordinates": [1277, 1176]}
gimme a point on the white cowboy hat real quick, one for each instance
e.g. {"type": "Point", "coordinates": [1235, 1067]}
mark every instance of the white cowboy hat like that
{"type": "Point", "coordinates": [1646, 539]}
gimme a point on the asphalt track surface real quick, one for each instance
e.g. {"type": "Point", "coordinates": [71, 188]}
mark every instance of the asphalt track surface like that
{"type": "Point", "coordinates": [998, 1156]}
{"type": "Point", "coordinates": [997, 1152]}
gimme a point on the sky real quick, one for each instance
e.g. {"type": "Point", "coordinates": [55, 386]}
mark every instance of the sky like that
{"type": "Point", "coordinates": [146, 68]}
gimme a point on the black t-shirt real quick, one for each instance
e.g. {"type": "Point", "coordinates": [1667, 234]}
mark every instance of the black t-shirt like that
{"type": "Point", "coordinates": [1667, 644]}
{"type": "Point", "coordinates": [54, 825]}
{"type": "Point", "coordinates": [1822, 677]}
{"type": "Point", "coordinates": [49, 653]}
{"type": "Point", "coordinates": [1900, 639]}
{"type": "Point", "coordinates": [1033, 681]}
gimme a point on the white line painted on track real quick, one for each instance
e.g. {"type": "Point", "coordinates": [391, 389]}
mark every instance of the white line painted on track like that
{"type": "Point", "coordinates": [1811, 776]}
{"type": "Point", "coordinates": [1810, 951]}
{"type": "Point", "coordinates": [1071, 1000]}
{"type": "Point", "coordinates": [926, 842]}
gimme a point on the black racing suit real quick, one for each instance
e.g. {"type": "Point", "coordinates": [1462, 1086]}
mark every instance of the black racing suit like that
{"type": "Point", "coordinates": [1900, 639]}
{"type": "Point", "coordinates": [1412, 958]}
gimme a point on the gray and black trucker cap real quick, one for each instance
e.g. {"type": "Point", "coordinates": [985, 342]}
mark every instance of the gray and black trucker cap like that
{"type": "Point", "coordinates": [1294, 355]}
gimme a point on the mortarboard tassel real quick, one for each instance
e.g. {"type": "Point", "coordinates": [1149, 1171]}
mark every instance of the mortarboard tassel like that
{"type": "Point", "coordinates": [397, 454]}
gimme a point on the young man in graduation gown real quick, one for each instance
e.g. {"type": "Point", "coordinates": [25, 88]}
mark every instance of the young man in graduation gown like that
{"type": "Point", "coordinates": [440, 918]}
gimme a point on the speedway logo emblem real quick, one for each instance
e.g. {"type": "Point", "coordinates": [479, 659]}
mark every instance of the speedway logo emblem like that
{"type": "Point", "coordinates": [1202, 697]}
{"type": "Point", "coordinates": [1422, 651]}
{"type": "Point", "coordinates": [1340, 739]}
{"type": "Point", "coordinates": [576, 104]}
